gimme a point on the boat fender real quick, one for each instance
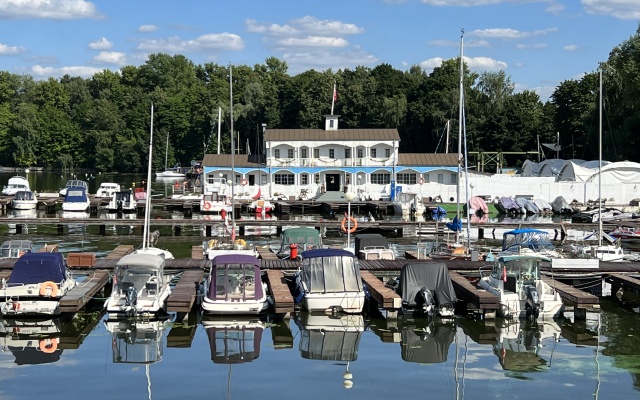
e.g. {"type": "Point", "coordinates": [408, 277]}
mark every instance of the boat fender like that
{"type": "Point", "coordinates": [212, 243]}
{"type": "Point", "coordinates": [49, 288]}
{"type": "Point", "coordinates": [354, 224]}
{"type": "Point", "coordinates": [48, 345]}
{"type": "Point", "coordinates": [241, 243]}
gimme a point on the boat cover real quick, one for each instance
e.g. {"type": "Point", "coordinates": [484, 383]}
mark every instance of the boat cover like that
{"type": "Point", "coordinates": [76, 194]}
{"type": "Point", "coordinates": [331, 271]}
{"type": "Point", "coordinates": [234, 344]}
{"type": "Point", "coordinates": [561, 206]}
{"type": "Point", "coordinates": [528, 205]}
{"type": "Point", "coordinates": [526, 237]}
{"type": "Point", "coordinates": [364, 240]}
{"type": "Point", "coordinates": [37, 268]}
{"type": "Point", "coordinates": [432, 276]}
{"type": "Point", "coordinates": [455, 225]}
{"type": "Point", "coordinates": [477, 205]}
{"type": "Point", "coordinates": [543, 205]}
{"type": "Point", "coordinates": [34, 356]}
{"type": "Point", "coordinates": [507, 205]}
{"type": "Point", "coordinates": [427, 348]}
{"type": "Point", "coordinates": [303, 237]}
{"type": "Point", "coordinates": [235, 264]}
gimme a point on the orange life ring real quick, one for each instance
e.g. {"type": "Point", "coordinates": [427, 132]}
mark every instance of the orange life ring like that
{"type": "Point", "coordinates": [49, 345]}
{"type": "Point", "coordinates": [207, 205]}
{"type": "Point", "coordinates": [177, 184]}
{"type": "Point", "coordinates": [421, 180]}
{"type": "Point", "coordinates": [244, 182]}
{"type": "Point", "coordinates": [49, 285]}
{"type": "Point", "coordinates": [354, 224]}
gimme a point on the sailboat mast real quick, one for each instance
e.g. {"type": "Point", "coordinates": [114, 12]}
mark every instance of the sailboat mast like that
{"type": "Point", "coordinates": [460, 116]}
{"type": "Point", "coordinates": [446, 148]}
{"type": "Point", "coordinates": [600, 166]}
{"type": "Point", "coordinates": [166, 153]}
{"type": "Point", "coordinates": [219, 122]}
{"type": "Point", "coordinates": [233, 175]}
{"type": "Point", "coordinates": [147, 206]}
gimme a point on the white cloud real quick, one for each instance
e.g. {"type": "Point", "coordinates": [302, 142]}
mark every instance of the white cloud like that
{"type": "Point", "coordinates": [101, 44]}
{"type": "Point", "coordinates": [82, 71]}
{"type": "Point", "coordinates": [523, 46]}
{"type": "Point", "coordinates": [174, 44]}
{"type": "Point", "coordinates": [147, 28]}
{"type": "Point", "coordinates": [111, 57]}
{"type": "Point", "coordinates": [10, 50]}
{"type": "Point", "coordinates": [321, 60]}
{"type": "Point", "coordinates": [304, 26]}
{"type": "Point", "coordinates": [314, 41]}
{"type": "Point", "coordinates": [467, 43]}
{"type": "Point", "coordinates": [621, 9]}
{"type": "Point", "coordinates": [507, 33]}
{"type": "Point", "coordinates": [48, 9]}
{"type": "Point", "coordinates": [474, 64]}
{"type": "Point", "coordinates": [570, 47]}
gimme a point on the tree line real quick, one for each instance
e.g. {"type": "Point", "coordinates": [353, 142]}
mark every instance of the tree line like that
{"type": "Point", "coordinates": [103, 122]}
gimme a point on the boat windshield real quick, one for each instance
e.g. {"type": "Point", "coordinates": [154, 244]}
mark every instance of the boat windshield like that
{"type": "Point", "coordinates": [332, 274]}
{"type": "Point", "coordinates": [236, 282]}
{"type": "Point", "coordinates": [523, 269]}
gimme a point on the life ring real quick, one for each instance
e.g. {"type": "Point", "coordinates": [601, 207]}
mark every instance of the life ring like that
{"type": "Point", "coordinates": [244, 182]}
{"type": "Point", "coordinates": [421, 180]}
{"type": "Point", "coordinates": [354, 224]}
{"type": "Point", "coordinates": [207, 205]}
{"type": "Point", "coordinates": [49, 285]}
{"type": "Point", "coordinates": [177, 184]}
{"type": "Point", "coordinates": [49, 345]}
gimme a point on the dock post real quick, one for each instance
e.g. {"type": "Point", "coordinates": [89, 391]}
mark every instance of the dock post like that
{"type": "Point", "coordinates": [580, 314]}
{"type": "Point", "coordinates": [60, 229]}
{"type": "Point", "coordinates": [103, 230]}
{"type": "Point", "coordinates": [178, 230]}
{"type": "Point", "coordinates": [241, 230]}
{"type": "Point", "coordinates": [480, 233]}
{"type": "Point", "coordinates": [19, 230]}
{"type": "Point", "coordinates": [399, 233]}
{"type": "Point", "coordinates": [207, 230]}
{"type": "Point", "coordinates": [279, 230]}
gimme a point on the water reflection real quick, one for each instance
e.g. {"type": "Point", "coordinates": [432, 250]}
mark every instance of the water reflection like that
{"type": "Point", "coordinates": [426, 341]}
{"type": "Point", "coordinates": [233, 341]}
{"type": "Point", "coordinates": [136, 342]}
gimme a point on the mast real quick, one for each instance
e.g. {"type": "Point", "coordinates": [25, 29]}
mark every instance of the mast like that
{"type": "Point", "coordinates": [147, 206]}
{"type": "Point", "coordinates": [219, 121]}
{"type": "Point", "coordinates": [166, 153]}
{"type": "Point", "coordinates": [600, 167]}
{"type": "Point", "coordinates": [464, 134]}
{"type": "Point", "coordinates": [460, 117]}
{"type": "Point", "coordinates": [446, 148]}
{"type": "Point", "coordinates": [233, 175]}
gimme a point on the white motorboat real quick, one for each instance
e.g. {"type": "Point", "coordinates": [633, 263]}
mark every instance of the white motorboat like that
{"type": "Point", "coordinates": [217, 247]}
{"type": "Point", "coordinates": [24, 200]}
{"type": "Point", "coordinates": [373, 246]}
{"type": "Point", "coordinates": [140, 288]}
{"type": "Point", "coordinates": [426, 288]}
{"type": "Point", "coordinates": [123, 202]}
{"type": "Point", "coordinates": [73, 183]}
{"type": "Point", "coordinates": [329, 279]}
{"type": "Point", "coordinates": [235, 287]}
{"type": "Point", "coordinates": [107, 190]}
{"type": "Point", "coordinates": [37, 283]}
{"type": "Point", "coordinates": [15, 248]}
{"type": "Point", "coordinates": [521, 292]}
{"type": "Point", "coordinates": [76, 199]}
{"type": "Point", "coordinates": [15, 185]}
{"type": "Point", "coordinates": [215, 202]}
{"type": "Point", "coordinates": [526, 241]}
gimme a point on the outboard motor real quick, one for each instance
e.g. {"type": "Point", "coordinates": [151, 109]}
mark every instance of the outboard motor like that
{"type": "Point", "coordinates": [131, 298]}
{"type": "Point", "coordinates": [532, 305]}
{"type": "Point", "coordinates": [426, 298]}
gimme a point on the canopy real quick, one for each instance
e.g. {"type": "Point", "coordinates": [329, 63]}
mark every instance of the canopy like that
{"type": "Point", "coordinates": [151, 262]}
{"type": "Point", "coordinates": [76, 194]}
{"type": "Point", "coordinates": [234, 344]}
{"type": "Point", "coordinates": [37, 268]}
{"type": "Point", "coordinates": [331, 271]}
{"type": "Point", "coordinates": [303, 237]}
{"type": "Point", "coordinates": [364, 240]}
{"type": "Point", "coordinates": [14, 248]}
{"type": "Point", "coordinates": [432, 276]}
{"type": "Point", "coordinates": [532, 238]}
{"type": "Point", "coordinates": [237, 274]}
{"type": "Point", "coordinates": [427, 348]}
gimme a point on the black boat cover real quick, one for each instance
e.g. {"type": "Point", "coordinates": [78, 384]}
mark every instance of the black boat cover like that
{"type": "Point", "coordinates": [427, 348]}
{"type": "Point", "coordinates": [370, 240]}
{"type": "Point", "coordinates": [429, 275]}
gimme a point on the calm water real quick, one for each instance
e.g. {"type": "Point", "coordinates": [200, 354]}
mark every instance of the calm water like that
{"type": "Point", "coordinates": [309, 355]}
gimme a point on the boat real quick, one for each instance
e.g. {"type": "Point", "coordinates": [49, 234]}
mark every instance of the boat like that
{"type": "Point", "coordinates": [561, 206]}
{"type": "Point", "coordinates": [139, 193]}
{"type": "Point", "coordinates": [140, 288]}
{"type": "Point", "coordinates": [426, 288]}
{"type": "Point", "coordinates": [521, 292]}
{"type": "Point", "coordinates": [76, 199]}
{"type": "Point", "coordinates": [373, 246]}
{"type": "Point", "coordinates": [528, 241]}
{"type": "Point", "coordinates": [235, 287]}
{"type": "Point", "coordinates": [260, 207]}
{"type": "Point", "coordinates": [107, 190]}
{"type": "Point", "coordinates": [233, 341]}
{"type": "Point", "coordinates": [329, 280]}
{"type": "Point", "coordinates": [24, 200]}
{"type": "Point", "coordinates": [15, 248]}
{"type": "Point", "coordinates": [73, 183]}
{"type": "Point", "coordinates": [123, 202]}
{"type": "Point", "coordinates": [175, 172]}
{"type": "Point", "coordinates": [408, 203]}
{"type": "Point", "coordinates": [599, 214]}
{"type": "Point", "coordinates": [215, 202]}
{"type": "Point", "coordinates": [297, 239]}
{"type": "Point", "coordinates": [15, 185]}
{"type": "Point", "coordinates": [215, 247]}
{"type": "Point", "coordinates": [519, 344]}
{"type": "Point", "coordinates": [31, 341]}
{"type": "Point", "coordinates": [625, 232]}
{"type": "Point", "coordinates": [37, 283]}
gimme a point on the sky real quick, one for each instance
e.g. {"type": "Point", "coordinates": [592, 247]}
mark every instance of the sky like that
{"type": "Point", "coordinates": [538, 43]}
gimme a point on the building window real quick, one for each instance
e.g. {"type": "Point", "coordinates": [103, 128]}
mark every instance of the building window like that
{"type": "Point", "coordinates": [316, 179]}
{"type": "Point", "coordinates": [332, 153]}
{"type": "Point", "coordinates": [387, 153]}
{"type": "Point", "coordinates": [276, 153]}
{"type": "Point", "coordinates": [360, 152]}
{"type": "Point", "coordinates": [373, 153]}
{"type": "Point", "coordinates": [440, 178]}
{"type": "Point", "coordinates": [427, 179]}
{"type": "Point", "coordinates": [304, 178]}
{"type": "Point", "coordinates": [347, 153]}
{"type": "Point", "coordinates": [289, 153]}
{"type": "Point", "coordinates": [381, 179]}
{"type": "Point", "coordinates": [303, 153]}
{"type": "Point", "coordinates": [454, 178]}
{"type": "Point", "coordinates": [330, 123]}
{"type": "Point", "coordinates": [407, 179]}
{"type": "Point", "coordinates": [316, 153]}
{"type": "Point", "coordinates": [283, 179]}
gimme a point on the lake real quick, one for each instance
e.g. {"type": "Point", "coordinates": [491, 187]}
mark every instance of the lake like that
{"type": "Point", "coordinates": [315, 356]}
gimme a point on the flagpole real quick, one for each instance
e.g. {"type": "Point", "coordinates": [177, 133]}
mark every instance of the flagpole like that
{"type": "Point", "coordinates": [333, 98]}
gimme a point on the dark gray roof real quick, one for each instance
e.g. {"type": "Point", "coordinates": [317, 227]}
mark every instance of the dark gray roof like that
{"type": "Point", "coordinates": [223, 160]}
{"type": "Point", "coordinates": [431, 159]}
{"type": "Point", "coordinates": [373, 134]}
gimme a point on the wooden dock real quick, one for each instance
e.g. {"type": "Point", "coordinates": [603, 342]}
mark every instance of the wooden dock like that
{"type": "Point", "coordinates": [624, 282]}
{"type": "Point", "coordinates": [384, 296]}
{"type": "Point", "coordinates": [184, 294]}
{"type": "Point", "coordinates": [282, 298]}
{"type": "Point", "coordinates": [483, 300]}
{"type": "Point", "coordinates": [119, 252]}
{"type": "Point", "coordinates": [80, 295]}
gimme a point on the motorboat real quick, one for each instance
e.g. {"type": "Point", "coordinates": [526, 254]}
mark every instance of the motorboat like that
{"type": "Point", "coordinates": [426, 288]}
{"type": "Point", "coordinates": [37, 283]}
{"type": "Point", "coordinates": [215, 202]}
{"type": "Point", "coordinates": [609, 249]}
{"type": "Point", "coordinates": [139, 193]}
{"type": "Point", "coordinates": [522, 293]}
{"type": "Point", "coordinates": [76, 199]}
{"type": "Point", "coordinates": [235, 287]}
{"type": "Point", "coordinates": [373, 246]}
{"type": "Point", "coordinates": [260, 207]}
{"type": "Point", "coordinates": [140, 288]}
{"type": "Point", "coordinates": [625, 232]}
{"type": "Point", "coordinates": [15, 248]}
{"type": "Point", "coordinates": [407, 203]}
{"type": "Point", "coordinates": [73, 183]}
{"type": "Point", "coordinates": [528, 241]}
{"type": "Point", "coordinates": [297, 239]}
{"type": "Point", "coordinates": [233, 341]}
{"type": "Point", "coordinates": [123, 202]}
{"type": "Point", "coordinates": [598, 214]}
{"type": "Point", "coordinates": [329, 279]}
{"type": "Point", "coordinates": [15, 185]}
{"type": "Point", "coordinates": [24, 200]}
{"type": "Point", "coordinates": [215, 247]}
{"type": "Point", "coordinates": [107, 190]}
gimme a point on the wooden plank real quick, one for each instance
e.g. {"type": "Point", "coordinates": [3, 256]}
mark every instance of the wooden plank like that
{"type": "Point", "coordinates": [184, 293]}
{"type": "Point", "coordinates": [282, 298]}
{"type": "Point", "coordinates": [120, 251]}
{"type": "Point", "coordinates": [80, 295]}
{"type": "Point", "coordinates": [196, 253]}
{"type": "Point", "coordinates": [572, 295]}
{"type": "Point", "coordinates": [386, 297]}
{"type": "Point", "coordinates": [48, 248]}
{"type": "Point", "coordinates": [465, 289]}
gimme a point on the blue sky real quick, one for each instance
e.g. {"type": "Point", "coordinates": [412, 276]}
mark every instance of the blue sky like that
{"type": "Point", "coordinates": [538, 43]}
